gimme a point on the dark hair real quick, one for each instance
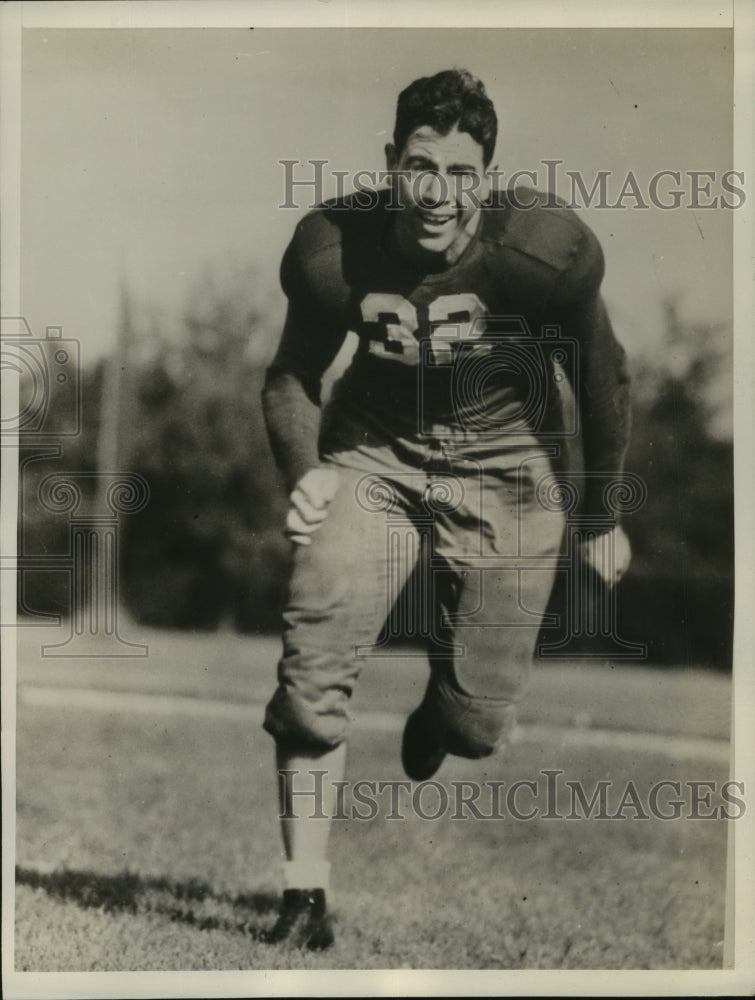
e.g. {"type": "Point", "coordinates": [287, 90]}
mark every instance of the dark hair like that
{"type": "Point", "coordinates": [452, 97]}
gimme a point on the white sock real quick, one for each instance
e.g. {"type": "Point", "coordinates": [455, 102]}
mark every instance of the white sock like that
{"type": "Point", "coordinates": [306, 874]}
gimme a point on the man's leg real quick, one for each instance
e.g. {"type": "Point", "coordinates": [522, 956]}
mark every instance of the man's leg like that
{"type": "Point", "coordinates": [340, 592]}
{"type": "Point", "coordinates": [475, 694]}
{"type": "Point", "coordinates": [490, 602]}
{"type": "Point", "coordinates": [305, 830]}
{"type": "Point", "coordinates": [305, 835]}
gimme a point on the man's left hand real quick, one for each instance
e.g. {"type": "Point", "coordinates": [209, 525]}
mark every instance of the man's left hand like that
{"type": "Point", "coordinates": [608, 555]}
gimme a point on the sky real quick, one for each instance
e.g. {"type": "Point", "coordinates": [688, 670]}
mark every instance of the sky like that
{"type": "Point", "coordinates": [151, 156]}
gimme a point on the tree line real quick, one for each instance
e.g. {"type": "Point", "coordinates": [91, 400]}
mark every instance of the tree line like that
{"type": "Point", "coordinates": [207, 549]}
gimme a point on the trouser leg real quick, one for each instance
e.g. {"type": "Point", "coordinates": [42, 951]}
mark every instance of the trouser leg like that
{"type": "Point", "coordinates": [474, 692]}
{"type": "Point", "coordinates": [491, 602]}
{"type": "Point", "coordinates": [341, 589]}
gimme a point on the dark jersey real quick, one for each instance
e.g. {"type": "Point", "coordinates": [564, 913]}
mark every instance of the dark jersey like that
{"type": "Point", "coordinates": [481, 343]}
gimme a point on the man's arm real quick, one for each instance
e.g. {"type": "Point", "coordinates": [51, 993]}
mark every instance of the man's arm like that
{"type": "Point", "coordinates": [291, 400]}
{"type": "Point", "coordinates": [291, 404]}
{"type": "Point", "coordinates": [601, 377]}
{"type": "Point", "coordinates": [291, 396]}
{"type": "Point", "coordinates": [602, 393]}
{"type": "Point", "coordinates": [311, 339]}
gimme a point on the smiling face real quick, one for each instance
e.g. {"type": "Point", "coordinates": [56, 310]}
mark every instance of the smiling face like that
{"type": "Point", "coordinates": [441, 184]}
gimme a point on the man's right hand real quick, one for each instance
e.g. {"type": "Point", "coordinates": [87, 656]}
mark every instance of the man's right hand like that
{"type": "Point", "coordinates": [310, 500]}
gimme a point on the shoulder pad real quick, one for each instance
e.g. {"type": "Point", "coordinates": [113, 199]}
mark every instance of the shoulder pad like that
{"type": "Point", "coordinates": [316, 232]}
{"type": "Point", "coordinates": [538, 225]}
{"type": "Point", "coordinates": [326, 226]}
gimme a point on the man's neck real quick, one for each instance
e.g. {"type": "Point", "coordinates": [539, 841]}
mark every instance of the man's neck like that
{"type": "Point", "coordinates": [427, 260]}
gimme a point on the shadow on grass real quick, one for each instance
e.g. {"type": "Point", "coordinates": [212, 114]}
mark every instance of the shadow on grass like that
{"type": "Point", "coordinates": [179, 902]}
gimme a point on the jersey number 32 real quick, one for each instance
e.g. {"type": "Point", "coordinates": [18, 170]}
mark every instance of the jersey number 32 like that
{"type": "Point", "coordinates": [451, 319]}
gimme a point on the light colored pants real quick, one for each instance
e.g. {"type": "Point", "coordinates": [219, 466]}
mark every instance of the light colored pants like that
{"type": "Point", "coordinates": [453, 515]}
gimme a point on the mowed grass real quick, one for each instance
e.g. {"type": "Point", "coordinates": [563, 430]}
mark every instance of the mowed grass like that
{"type": "Point", "coordinates": [150, 842]}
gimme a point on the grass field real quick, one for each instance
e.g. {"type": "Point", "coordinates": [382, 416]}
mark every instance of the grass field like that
{"type": "Point", "coordinates": [147, 835]}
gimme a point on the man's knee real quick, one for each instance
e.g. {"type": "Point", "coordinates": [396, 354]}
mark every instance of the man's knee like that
{"type": "Point", "coordinates": [476, 741]}
{"type": "Point", "coordinates": [303, 724]}
{"type": "Point", "coordinates": [477, 727]}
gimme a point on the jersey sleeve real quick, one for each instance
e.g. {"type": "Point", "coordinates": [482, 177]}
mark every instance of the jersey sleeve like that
{"type": "Point", "coordinates": [309, 343]}
{"type": "Point", "coordinates": [601, 374]}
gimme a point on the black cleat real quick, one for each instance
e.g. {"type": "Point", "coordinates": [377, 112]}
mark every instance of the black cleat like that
{"type": "Point", "coordinates": [422, 751]}
{"type": "Point", "coordinates": [303, 921]}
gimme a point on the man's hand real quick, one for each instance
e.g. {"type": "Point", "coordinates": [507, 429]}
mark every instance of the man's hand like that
{"type": "Point", "coordinates": [608, 555]}
{"type": "Point", "coordinates": [310, 500]}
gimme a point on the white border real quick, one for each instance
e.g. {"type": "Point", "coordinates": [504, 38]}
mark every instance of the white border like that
{"type": "Point", "coordinates": [377, 14]}
{"type": "Point", "coordinates": [741, 882]}
{"type": "Point", "coordinates": [10, 285]}
{"type": "Point", "coordinates": [387, 982]}
{"type": "Point", "coordinates": [397, 13]}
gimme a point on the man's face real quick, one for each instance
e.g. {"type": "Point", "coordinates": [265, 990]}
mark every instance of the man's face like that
{"type": "Point", "coordinates": [442, 182]}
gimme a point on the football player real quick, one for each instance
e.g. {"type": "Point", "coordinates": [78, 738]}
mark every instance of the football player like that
{"type": "Point", "coordinates": [436, 454]}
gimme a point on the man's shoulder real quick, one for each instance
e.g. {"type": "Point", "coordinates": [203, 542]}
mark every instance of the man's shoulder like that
{"type": "Point", "coordinates": [327, 241]}
{"type": "Point", "coordinates": [324, 229]}
{"type": "Point", "coordinates": [540, 226]}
